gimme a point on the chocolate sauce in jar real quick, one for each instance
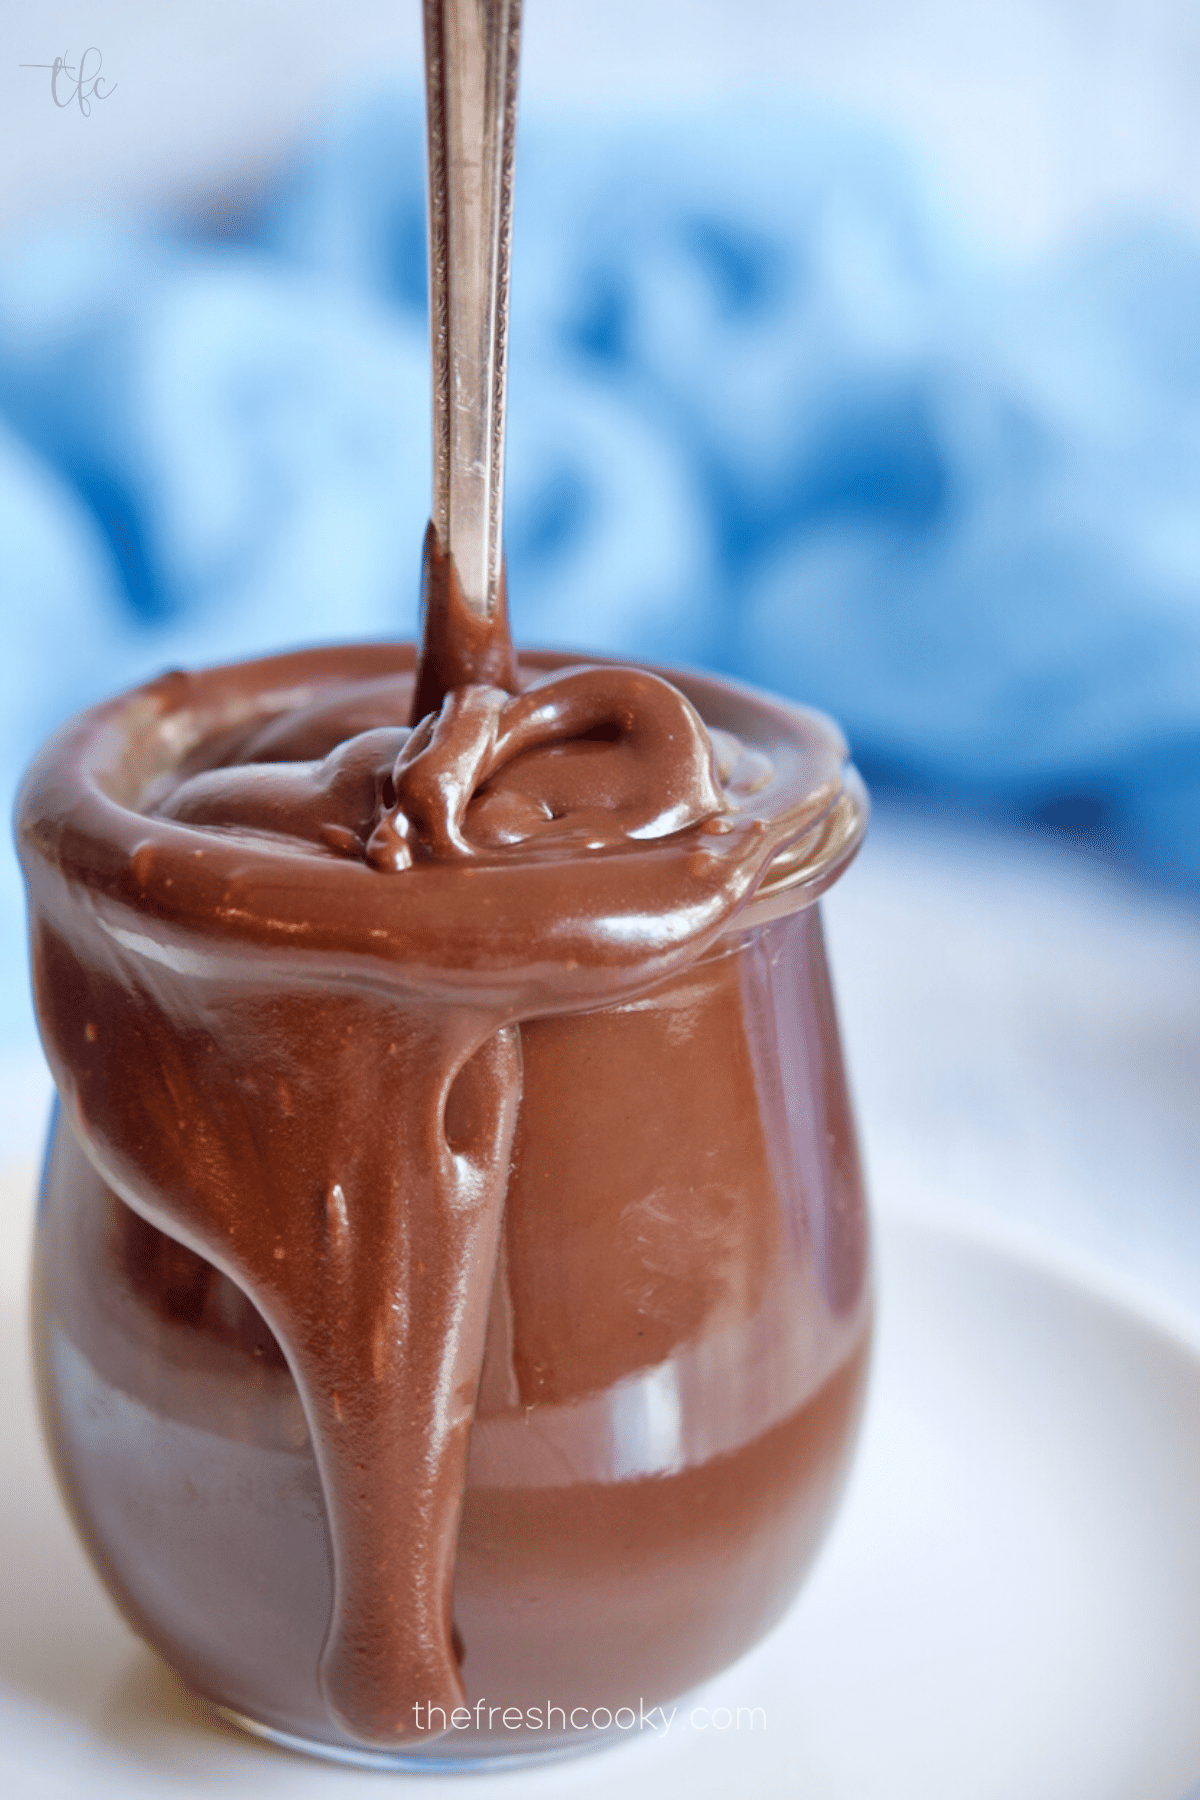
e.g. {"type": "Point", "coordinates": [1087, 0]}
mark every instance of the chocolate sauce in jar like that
{"type": "Point", "coordinates": [456, 1057]}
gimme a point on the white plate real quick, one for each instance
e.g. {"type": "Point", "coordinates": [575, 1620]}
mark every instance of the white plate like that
{"type": "Point", "coordinates": [1009, 1608]}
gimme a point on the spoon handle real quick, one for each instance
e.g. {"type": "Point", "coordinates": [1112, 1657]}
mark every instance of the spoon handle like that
{"type": "Point", "coordinates": [471, 49]}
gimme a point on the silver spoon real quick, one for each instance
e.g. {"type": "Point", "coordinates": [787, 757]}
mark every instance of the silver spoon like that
{"type": "Point", "coordinates": [471, 51]}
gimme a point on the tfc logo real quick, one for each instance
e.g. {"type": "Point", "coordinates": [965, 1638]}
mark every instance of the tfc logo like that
{"type": "Point", "coordinates": [85, 85]}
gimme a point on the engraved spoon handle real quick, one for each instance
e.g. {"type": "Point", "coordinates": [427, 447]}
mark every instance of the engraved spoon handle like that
{"type": "Point", "coordinates": [471, 49]}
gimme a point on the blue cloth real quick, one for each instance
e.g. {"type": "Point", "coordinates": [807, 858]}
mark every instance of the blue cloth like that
{"type": "Point", "coordinates": [771, 412]}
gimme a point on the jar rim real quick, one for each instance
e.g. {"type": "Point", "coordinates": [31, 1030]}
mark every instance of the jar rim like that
{"type": "Point", "coordinates": [82, 803]}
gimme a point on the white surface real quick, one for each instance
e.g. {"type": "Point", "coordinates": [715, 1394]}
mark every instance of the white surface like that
{"type": "Point", "coordinates": [1022, 1030]}
{"type": "Point", "coordinates": [1041, 114]}
{"type": "Point", "coordinates": [1009, 1606]}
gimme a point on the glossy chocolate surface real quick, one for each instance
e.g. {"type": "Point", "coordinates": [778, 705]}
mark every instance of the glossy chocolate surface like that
{"type": "Point", "coordinates": [331, 1001]}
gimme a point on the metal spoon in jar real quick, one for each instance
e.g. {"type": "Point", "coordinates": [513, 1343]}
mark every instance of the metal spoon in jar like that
{"type": "Point", "coordinates": [471, 51]}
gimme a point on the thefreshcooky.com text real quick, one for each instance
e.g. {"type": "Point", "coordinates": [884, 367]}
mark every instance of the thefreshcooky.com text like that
{"type": "Point", "coordinates": [660, 1719]}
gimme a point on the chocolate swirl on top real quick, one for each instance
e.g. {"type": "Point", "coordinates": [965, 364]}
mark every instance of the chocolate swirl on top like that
{"type": "Point", "coordinates": [594, 756]}
{"type": "Point", "coordinates": [321, 930]}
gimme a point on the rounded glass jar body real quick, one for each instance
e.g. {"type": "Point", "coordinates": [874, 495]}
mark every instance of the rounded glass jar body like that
{"type": "Point", "coordinates": [672, 1382]}
{"type": "Point", "coordinates": [662, 1392]}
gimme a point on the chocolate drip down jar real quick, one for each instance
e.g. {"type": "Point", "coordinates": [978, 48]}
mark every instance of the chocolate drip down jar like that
{"type": "Point", "coordinates": [451, 1295]}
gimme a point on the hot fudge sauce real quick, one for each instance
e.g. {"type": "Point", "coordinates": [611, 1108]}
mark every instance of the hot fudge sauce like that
{"type": "Point", "coordinates": [455, 1135]}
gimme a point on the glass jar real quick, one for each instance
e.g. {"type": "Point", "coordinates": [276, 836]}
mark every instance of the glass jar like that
{"type": "Point", "coordinates": [674, 1368]}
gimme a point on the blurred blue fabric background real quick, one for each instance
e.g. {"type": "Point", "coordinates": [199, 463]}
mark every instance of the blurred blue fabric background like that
{"type": "Point", "coordinates": [771, 412]}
